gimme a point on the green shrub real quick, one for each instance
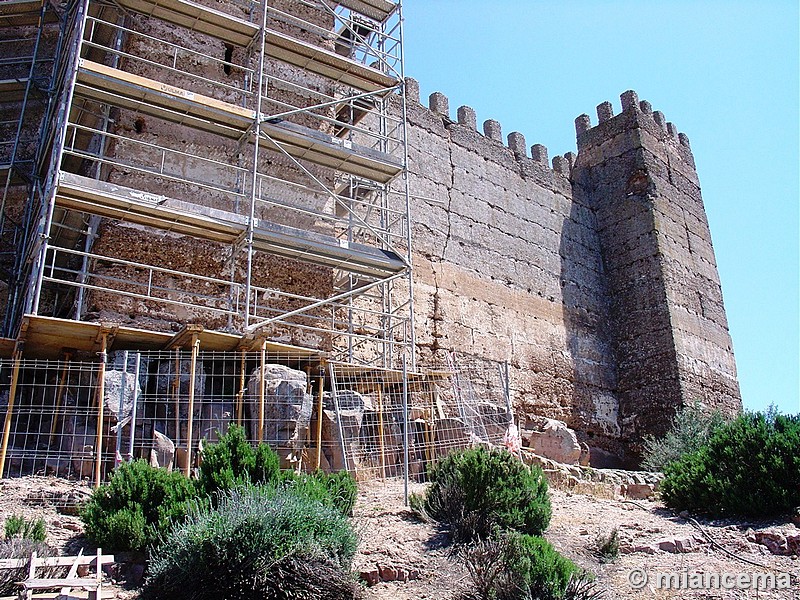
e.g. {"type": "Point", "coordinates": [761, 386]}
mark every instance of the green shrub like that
{"type": "Point", "coordinates": [16, 547]}
{"type": "Point", "coordinates": [606, 546]}
{"type": "Point", "coordinates": [691, 428]}
{"type": "Point", "coordinates": [477, 491]}
{"type": "Point", "coordinates": [539, 567]}
{"type": "Point", "coordinates": [18, 526]}
{"type": "Point", "coordinates": [336, 490]}
{"type": "Point", "coordinates": [750, 466]}
{"type": "Point", "coordinates": [519, 567]}
{"type": "Point", "coordinates": [233, 462]}
{"type": "Point", "coordinates": [257, 543]}
{"type": "Point", "coordinates": [137, 503]}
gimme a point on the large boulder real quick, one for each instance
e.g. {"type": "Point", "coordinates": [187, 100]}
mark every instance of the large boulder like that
{"type": "Point", "coordinates": [287, 409]}
{"type": "Point", "coordinates": [119, 391]}
{"type": "Point", "coordinates": [351, 417]}
{"type": "Point", "coordinates": [554, 440]}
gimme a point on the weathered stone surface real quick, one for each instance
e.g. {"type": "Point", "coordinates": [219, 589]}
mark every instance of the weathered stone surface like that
{"type": "Point", "coordinates": [287, 409]}
{"type": "Point", "coordinates": [554, 440]}
{"type": "Point", "coordinates": [162, 454]}
{"type": "Point", "coordinates": [342, 451]}
{"type": "Point", "coordinates": [638, 491]}
{"type": "Point", "coordinates": [119, 392]}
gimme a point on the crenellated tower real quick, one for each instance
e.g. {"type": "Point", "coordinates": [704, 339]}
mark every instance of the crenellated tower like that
{"type": "Point", "coordinates": [668, 327]}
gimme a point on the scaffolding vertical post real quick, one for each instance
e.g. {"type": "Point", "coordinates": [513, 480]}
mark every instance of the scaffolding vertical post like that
{"type": "Point", "coordinates": [101, 402]}
{"type": "Point", "coordinates": [190, 422]}
{"type": "Point", "coordinates": [12, 396]}
{"type": "Point", "coordinates": [321, 391]}
{"type": "Point", "coordinates": [405, 431]}
{"type": "Point", "coordinates": [55, 162]}
{"type": "Point", "coordinates": [262, 48]}
{"type": "Point", "coordinates": [411, 339]}
{"type": "Point", "coordinates": [262, 391]}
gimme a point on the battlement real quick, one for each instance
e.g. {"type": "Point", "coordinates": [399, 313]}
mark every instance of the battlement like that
{"type": "Point", "coordinates": [635, 114]}
{"type": "Point", "coordinates": [439, 104]}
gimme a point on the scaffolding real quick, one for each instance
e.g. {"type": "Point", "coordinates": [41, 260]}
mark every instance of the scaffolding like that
{"type": "Point", "coordinates": [273, 133]}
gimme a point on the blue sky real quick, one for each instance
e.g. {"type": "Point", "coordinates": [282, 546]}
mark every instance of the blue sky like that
{"type": "Point", "coordinates": [725, 72]}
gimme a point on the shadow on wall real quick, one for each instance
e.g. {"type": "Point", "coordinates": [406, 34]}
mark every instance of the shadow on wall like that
{"type": "Point", "coordinates": [595, 407]}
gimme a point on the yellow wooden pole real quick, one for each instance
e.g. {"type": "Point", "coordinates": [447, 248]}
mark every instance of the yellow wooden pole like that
{"type": "Point", "coordinates": [240, 395]}
{"type": "Point", "coordinates": [261, 391]}
{"type": "Point", "coordinates": [176, 396]}
{"type": "Point", "coordinates": [59, 397]}
{"type": "Point", "coordinates": [380, 432]}
{"type": "Point", "coordinates": [190, 423]}
{"type": "Point", "coordinates": [321, 389]}
{"type": "Point", "coordinates": [12, 395]}
{"type": "Point", "coordinates": [101, 392]}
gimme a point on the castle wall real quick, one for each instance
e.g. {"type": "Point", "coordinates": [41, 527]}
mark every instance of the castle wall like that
{"type": "Point", "coordinates": [507, 267]}
{"type": "Point", "coordinates": [593, 274]}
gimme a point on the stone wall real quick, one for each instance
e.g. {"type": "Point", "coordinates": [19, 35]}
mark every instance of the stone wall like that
{"type": "Point", "coordinates": [594, 276]}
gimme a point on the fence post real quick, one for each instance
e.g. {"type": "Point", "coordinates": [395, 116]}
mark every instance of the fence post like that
{"type": "Point", "coordinates": [101, 403]}
{"type": "Point", "coordinates": [133, 407]}
{"type": "Point", "coordinates": [338, 417]}
{"type": "Point", "coordinates": [261, 391]}
{"type": "Point", "coordinates": [12, 395]}
{"type": "Point", "coordinates": [405, 431]}
{"type": "Point", "coordinates": [123, 389]}
{"type": "Point", "coordinates": [319, 413]}
{"type": "Point", "coordinates": [190, 422]}
{"type": "Point", "coordinates": [381, 439]}
{"type": "Point", "coordinates": [240, 395]}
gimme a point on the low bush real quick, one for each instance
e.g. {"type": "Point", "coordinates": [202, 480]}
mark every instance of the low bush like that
{"type": "Point", "coordinates": [750, 466]}
{"type": "Point", "coordinates": [136, 505]}
{"type": "Point", "coordinates": [336, 490]}
{"type": "Point", "coordinates": [257, 543]}
{"type": "Point", "coordinates": [692, 427]}
{"type": "Point", "coordinates": [476, 492]}
{"type": "Point", "coordinates": [232, 462]}
{"type": "Point", "coordinates": [18, 526]}
{"type": "Point", "coordinates": [17, 547]}
{"type": "Point", "coordinates": [606, 546]}
{"type": "Point", "coordinates": [520, 567]}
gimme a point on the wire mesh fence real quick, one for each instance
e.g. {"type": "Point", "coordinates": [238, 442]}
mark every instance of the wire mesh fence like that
{"type": "Point", "coordinates": [79, 419]}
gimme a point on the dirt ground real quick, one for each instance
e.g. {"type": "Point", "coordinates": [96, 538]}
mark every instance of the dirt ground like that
{"type": "Point", "coordinates": [408, 559]}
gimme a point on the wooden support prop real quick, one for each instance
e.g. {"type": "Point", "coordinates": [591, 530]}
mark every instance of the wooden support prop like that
{"type": "Point", "coordinates": [240, 395]}
{"type": "Point", "coordinates": [261, 391]}
{"type": "Point", "coordinates": [176, 396]}
{"type": "Point", "coordinates": [319, 413]}
{"type": "Point", "coordinates": [59, 397]}
{"type": "Point", "coordinates": [190, 423]}
{"type": "Point", "coordinates": [381, 440]}
{"type": "Point", "coordinates": [12, 396]}
{"type": "Point", "coordinates": [101, 393]}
